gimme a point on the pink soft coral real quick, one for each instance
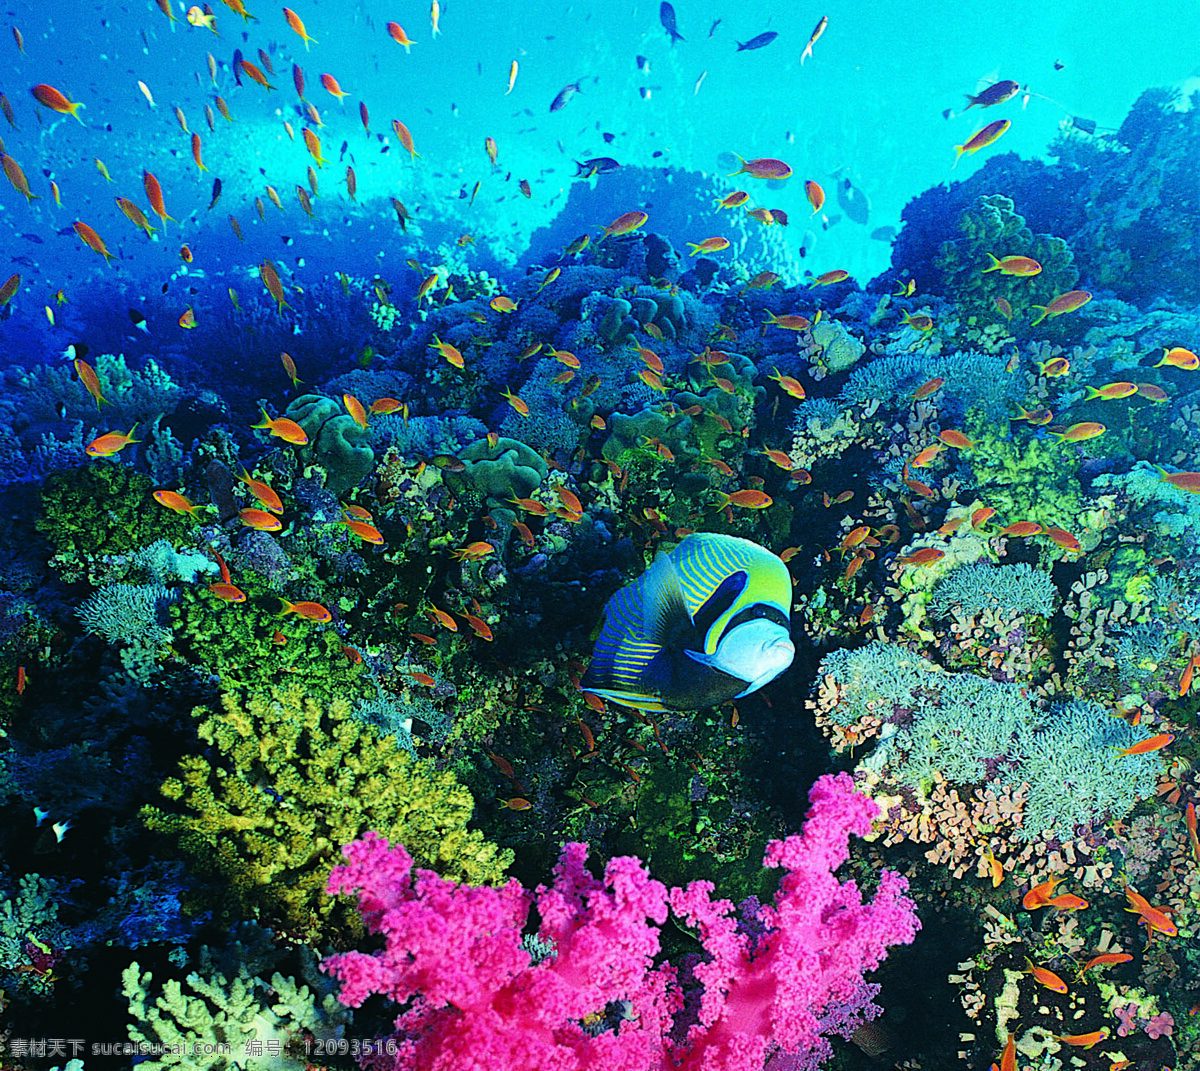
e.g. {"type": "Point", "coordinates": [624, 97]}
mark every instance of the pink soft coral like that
{"type": "Point", "coordinates": [475, 1000]}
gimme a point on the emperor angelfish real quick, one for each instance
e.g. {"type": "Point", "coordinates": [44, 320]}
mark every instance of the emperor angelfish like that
{"type": "Point", "coordinates": [706, 623]}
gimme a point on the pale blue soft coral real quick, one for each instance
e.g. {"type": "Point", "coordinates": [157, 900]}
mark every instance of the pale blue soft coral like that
{"type": "Point", "coordinates": [126, 613]}
{"type": "Point", "coordinates": [1076, 771]}
{"type": "Point", "coordinates": [975, 731]}
{"type": "Point", "coordinates": [1176, 512]}
{"type": "Point", "coordinates": [875, 679]}
{"type": "Point", "coordinates": [973, 380]}
{"type": "Point", "coordinates": [979, 586]}
{"type": "Point", "coordinates": [29, 925]}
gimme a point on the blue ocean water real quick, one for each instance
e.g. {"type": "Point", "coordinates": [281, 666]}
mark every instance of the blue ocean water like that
{"type": "Point", "coordinates": [519, 463]}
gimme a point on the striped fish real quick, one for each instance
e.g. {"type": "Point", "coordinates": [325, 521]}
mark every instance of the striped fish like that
{"type": "Point", "coordinates": [705, 623]}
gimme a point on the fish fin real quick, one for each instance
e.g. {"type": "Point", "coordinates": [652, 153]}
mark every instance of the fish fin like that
{"type": "Point", "coordinates": [664, 608]}
{"type": "Point", "coordinates": [627, 698]}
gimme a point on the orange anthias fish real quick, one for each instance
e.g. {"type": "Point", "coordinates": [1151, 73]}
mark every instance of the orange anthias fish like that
{"type": "Point", "coordinates": [270, 277]}
{"type": "Point", "coordinates": [516, 402]}
{"type": "Point", "coordinates": [397, 34]}
{"type": "Point", "coordinates": [89, 378]}
{"type": "Point", "coordinates": [135, 215]}
{"type": "Point", "coordinates": [957, 439]}
{"type": "Point", "coordinates": [925, 458]}
{"type": "Point", "coordinates": [1104, 958]}
{"type": "Point", "coordinates": [176, 502]}
{"type": "Point", "coordinates": [263, 492]}
{"type": "Point", "coordinates": [259, 519]}
{"type": "Point", "coordinates": [924, 556]}
{"type": "Point", "coordinates": [1185, 481]}
{"type": "Point", "coordinates": [788, 322]}
{"type": "Point", "coordinates": [365, 531]}
{"type": "Point", "coordinates": [355, 408]}
{"type": "Point", "coordinates": [1145, 747]}
{"type": "Point", "coordinates": [789, 384]}
{"type": "Point", "coordinates": [111, 443]}
{"type": "Point", "coordinates": [1112, 391]}
{"type": "Point", "coordinates": [1083, 1041]}
{"type": "Point", "coordinates": [838, 275]}
{"type": "Point", "coordinates": [709, 245]}
{"type": "Point", "coordinates": [748, 498]}
{"type": "Point", "coordinates": [281, 427]}
{"type": "Point", "coordinates": [310, 611]}
{"type": "Point", "coordinates": [255, 74]}
{"type": "Point", "coordinates": [1154, 918]}
{"type": "Point", "coordinates": [451, 353]}
{"type": "Point", "coordinates": [1063, 539]}
{"type": "Point", "coordinates": [1040, 895]}
{"type": "Point", "coordinates": [49, 97]}
{"type": "Point", "coordinates": [733, 200]}
{"type": "Point", "coordinates": [928, 388]}
{"type": "Point", "coordinates": [331, 85]}
{"type": "Point", "coordinates": [814, 194]}
{"type": "Point", "coordinates": [92, 240]}
{"type": "Point", "coordinates": [1179, 358]}
{"type": "Point", "coordinates": [473, 552]}
{"type": "Point", "coordinates": [995, 868]}
{"type": "Point", "coordinates": [1045, 977]}
{"type": "Point", "coordinates": [405, 138]}
{"type": "Point", "coordinates": [16, 176]}
{"type": "Point", "coordinates": [982, 138]}
{"type": "Point", "coordinates": [1068, 302]}
{"type": "Point", "coordinates": [155, 194]}
{"type": "Point", "coordinates": [297, 25]}
{"type": "Point", "coordinates": [1067, 902]}
{"type": "Point", "coordinates": [765, 167]}
{"type": "Point", "coordinates": [626, 223]}
{"type": "Point", "coordinates": [1013, 265]}
{"type": "Point", "coordinates": [1081, 432]}
{"type": "Point", "coordinates": [1021, 528]}
{"type": "Point", "coordinates": [227, 592]}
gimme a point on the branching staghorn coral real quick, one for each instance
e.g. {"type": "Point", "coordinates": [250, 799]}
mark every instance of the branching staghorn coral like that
{"type": "Point", "coordinates": [296, 779]}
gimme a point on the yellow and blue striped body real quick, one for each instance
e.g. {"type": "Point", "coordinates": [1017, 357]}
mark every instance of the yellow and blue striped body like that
{"type": "Point", "coordinates": [660, 647]}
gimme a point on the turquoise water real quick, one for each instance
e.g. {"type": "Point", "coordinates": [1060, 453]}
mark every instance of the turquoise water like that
{"type": "Point", "coordinates": [313, 512]}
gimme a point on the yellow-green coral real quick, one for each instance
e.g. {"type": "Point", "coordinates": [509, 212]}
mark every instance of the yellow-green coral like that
{"type": "Point", "coordinates": [299, 780]}
{"type": "Point", "coordinates": [1028, 480]}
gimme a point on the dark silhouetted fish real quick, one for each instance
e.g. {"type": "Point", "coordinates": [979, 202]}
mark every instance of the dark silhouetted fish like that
{"type": "Point", "coordinates": [598, 165]}
{"type": "Point", "coordinates": [216, 194]}
{"type": "Point", "coordinates": [643, 64]}
{"type": "Point", "coordinates": [761, 41]}
{"type": "Point", "coordinates": [853, 202]}
{"type": "Point", "coordinates": [666, 15]}
{"type": "Point", "coordinates": [564, 95]}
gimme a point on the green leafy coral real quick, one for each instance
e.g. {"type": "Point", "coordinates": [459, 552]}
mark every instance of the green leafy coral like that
{"type": "Point", "coordinates": [103, 508]}
{"type": "Point", "coordinates": [992, 225]}
{"type": "Point", "coordinates": [294, 779]}
{"type": "Point", "coordinates": [239, 643]}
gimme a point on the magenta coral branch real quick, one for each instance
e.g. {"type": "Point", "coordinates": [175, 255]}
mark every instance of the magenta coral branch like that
{"type": "Point", "coordinates": [597, 1000]}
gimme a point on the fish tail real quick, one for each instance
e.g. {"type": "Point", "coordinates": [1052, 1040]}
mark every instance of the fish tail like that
{"type": "Point", "coordinates": [995, 263]}
{"type": "Point", "coordinates": [1040, 318]}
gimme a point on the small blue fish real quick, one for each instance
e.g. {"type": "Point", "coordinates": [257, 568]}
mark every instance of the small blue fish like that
{"type": "Point", "coordinates": [666, 15]}
{"type": "Point", "coordinates": [564, 95]}
{"type": "Point", "coordinates": [761, 41]}
{"type": "Point", "coordinates": [705, 623]}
